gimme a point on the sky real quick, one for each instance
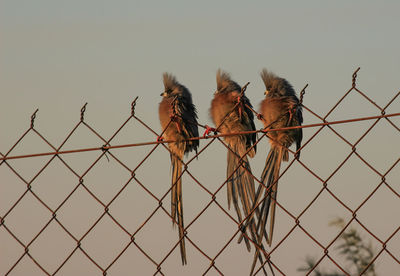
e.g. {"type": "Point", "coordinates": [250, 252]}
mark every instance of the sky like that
{"type": "Point", "coordinates": [57, 55]}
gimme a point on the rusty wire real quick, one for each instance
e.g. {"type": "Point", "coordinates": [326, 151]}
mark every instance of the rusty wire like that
{"type": "Point", "coordinates": [106, 149]}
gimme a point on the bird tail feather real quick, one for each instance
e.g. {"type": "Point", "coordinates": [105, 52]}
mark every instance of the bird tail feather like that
{"type": "Point", "coordinates": [240, 186]}
{"type": "Point", "coordinates": [177, 203]}
{"type": "Point", "coordinates": [269, 177]}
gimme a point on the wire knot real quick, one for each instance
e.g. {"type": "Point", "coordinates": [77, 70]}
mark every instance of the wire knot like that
{"type": "Point", "coordinates": [104, 147]}
{"type": "Point", "coordinates": [83, 109]}
{"type": "Point", "coordinates": [133, 105]}
{"type": "Point", "coordinates": [354, 77]}
{"type": "Point", "coordinates": [33, 117]}
{"type": "Point", "coordinates": [302, 92]}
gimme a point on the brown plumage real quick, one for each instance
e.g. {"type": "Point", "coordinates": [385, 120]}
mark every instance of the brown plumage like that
{"type": "Point", "coordinates": [280, 108]}
{"type": "Point", "coordinates": [178, 120]}
{"type": "Point", "coordinates": [230, 114]}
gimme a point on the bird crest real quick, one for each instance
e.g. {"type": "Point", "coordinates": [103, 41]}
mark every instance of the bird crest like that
{"type": "Point", "coordinates": [268, 77]}
{"type": "Point", "coordinates": [225, 83]}
{"type": "Point", "coordinates": [170, 82]}
{"type": "Point", "coordinates": [276, 86]}
{"type": "Point", "coordinates": [174, 89]}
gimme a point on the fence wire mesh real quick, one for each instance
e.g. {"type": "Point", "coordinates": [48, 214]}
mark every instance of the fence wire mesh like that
{"type": "Point", "coordinates": [101, 206]}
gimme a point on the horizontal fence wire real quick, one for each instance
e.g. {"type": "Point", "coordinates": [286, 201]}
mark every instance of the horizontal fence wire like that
{"type": "Point", "coordinates": [99, 238]}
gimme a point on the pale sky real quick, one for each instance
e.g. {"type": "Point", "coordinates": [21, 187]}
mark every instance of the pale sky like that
{"type": "Point", "coordinates": [57, 55]}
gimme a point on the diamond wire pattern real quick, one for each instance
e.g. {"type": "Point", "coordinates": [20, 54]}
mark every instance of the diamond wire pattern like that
{"type": "Point", "coordinates": [133, 239]}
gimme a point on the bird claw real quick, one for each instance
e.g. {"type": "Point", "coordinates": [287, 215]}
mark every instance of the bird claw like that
{"type": "Point", "coordinates": [292, 111]}
{"type": "Point", "coordinates": [160, 138]}
{"type": "Point", "coordinates": [208, 130]}
{"type": "Point", "coordinates": [260, 116]}
{"type": "Point", "coordinates": [240, 106]}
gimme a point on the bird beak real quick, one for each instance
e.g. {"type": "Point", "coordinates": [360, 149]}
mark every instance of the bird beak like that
{"type": "Point", "coordinates": [216, 92]}
{"type": "Point", "coordinates": [266, 92]}
{"type": "Point", "coordinates": [163, 94]}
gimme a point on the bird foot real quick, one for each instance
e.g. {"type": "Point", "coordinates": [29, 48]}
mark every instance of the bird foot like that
{"type": "Point", "coordinates": [208, 130]}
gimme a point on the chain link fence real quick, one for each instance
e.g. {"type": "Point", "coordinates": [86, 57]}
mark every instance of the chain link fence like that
{"type": "Point", "coordinates": [96, 205]}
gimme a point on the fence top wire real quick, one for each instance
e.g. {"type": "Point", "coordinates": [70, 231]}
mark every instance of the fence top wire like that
{"type": "Point", "coordinates": [159, 141]}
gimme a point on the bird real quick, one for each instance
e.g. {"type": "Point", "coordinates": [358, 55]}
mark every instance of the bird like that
{"type": "Point", "coordinates": [178, 118]}
{"type": "Point", "coordinates": [231, 113]}
{"type": "Point", "coordinates": [279, 109]}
